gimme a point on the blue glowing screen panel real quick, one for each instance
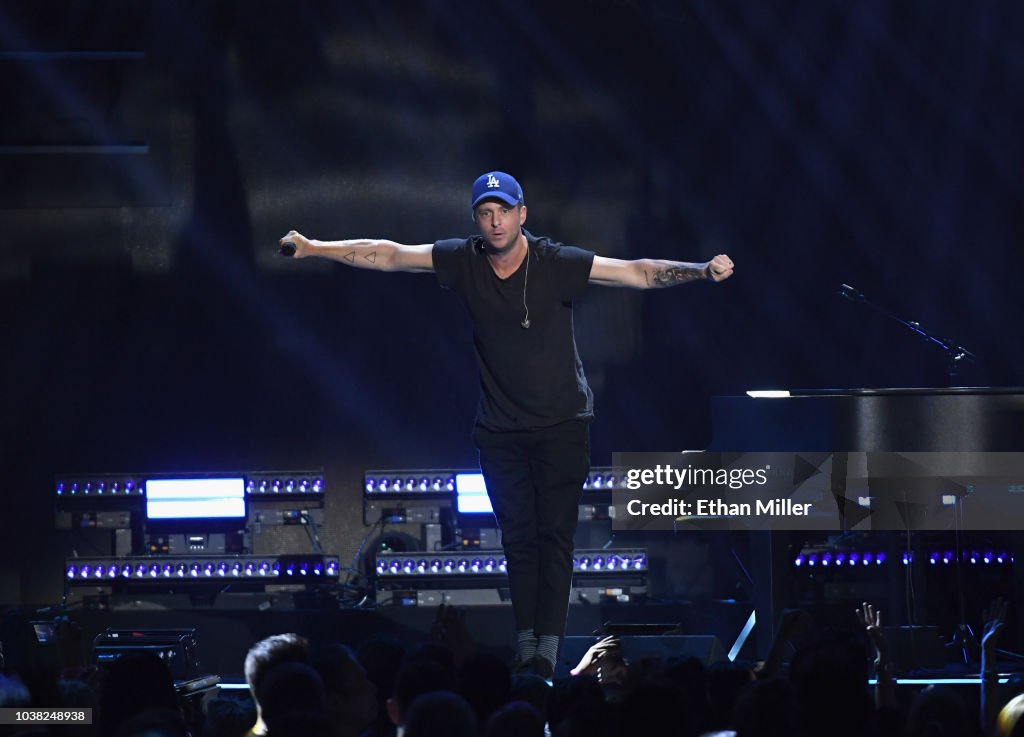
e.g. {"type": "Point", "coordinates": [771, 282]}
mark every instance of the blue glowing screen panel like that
{"type": "Point", "coordinates": [185, 499]}
{"type": "Point", "coordinates": [471, 494]}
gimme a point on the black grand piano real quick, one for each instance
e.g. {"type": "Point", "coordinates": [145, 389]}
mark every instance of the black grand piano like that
{"type": "Point", "coordinates": [855, 420]}
{"type": "Point", "coordinates": [866, 420]}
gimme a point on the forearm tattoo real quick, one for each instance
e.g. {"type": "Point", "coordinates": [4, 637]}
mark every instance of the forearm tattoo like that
{"type": "Point", "coordinates": [670, 276]}
{"type": "Point", "coordinates": [350, 257]}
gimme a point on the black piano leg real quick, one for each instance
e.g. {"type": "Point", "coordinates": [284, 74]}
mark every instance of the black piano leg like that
{"type": "Point", "coordinates": [770, 569]}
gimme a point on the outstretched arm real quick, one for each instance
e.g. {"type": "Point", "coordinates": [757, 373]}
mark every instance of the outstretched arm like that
{"type": "Point", "coordinates": [365, 253]}
{"type": "Point", "coordinates": [647, 273]}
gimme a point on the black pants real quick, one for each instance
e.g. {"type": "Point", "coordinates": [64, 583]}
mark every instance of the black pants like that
{"type": "Point", "coordinates": [534, 480]}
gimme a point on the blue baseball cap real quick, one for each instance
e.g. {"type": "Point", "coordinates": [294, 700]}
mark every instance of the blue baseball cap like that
{"type": "Point", "coordinates": [497, 185]}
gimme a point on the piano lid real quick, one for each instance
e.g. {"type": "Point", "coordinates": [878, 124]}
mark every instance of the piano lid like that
{"type": "Point", "coordinates": [890, 391]}
{"type": "Point", "coordinates": [868, 420]}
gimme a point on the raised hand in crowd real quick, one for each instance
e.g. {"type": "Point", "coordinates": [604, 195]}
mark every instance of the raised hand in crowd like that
{"type": "Point", "coordinates": [870, 618]}
{"type": "Point", "coordinates": [588, 664]}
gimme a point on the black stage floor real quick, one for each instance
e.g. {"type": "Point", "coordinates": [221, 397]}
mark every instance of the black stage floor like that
{"type": "Point", "coordinates": [224, 634]}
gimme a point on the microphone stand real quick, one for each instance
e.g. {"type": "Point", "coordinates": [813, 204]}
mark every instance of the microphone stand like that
{"type": "Point", "coordinates": [956, 354]}
{"type": "Point", "coordinates": [963, 638]}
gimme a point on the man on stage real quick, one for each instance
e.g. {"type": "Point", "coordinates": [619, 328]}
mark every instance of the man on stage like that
{"type": "Point", "coordinates": [532, 423]}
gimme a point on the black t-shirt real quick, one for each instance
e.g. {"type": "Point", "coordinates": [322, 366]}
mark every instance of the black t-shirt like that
{"type": "Point", "coordinates": [529, 377]}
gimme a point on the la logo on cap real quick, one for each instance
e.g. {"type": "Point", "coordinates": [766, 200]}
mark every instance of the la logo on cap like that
{"type": "Point", "coordinates": [492, 181]}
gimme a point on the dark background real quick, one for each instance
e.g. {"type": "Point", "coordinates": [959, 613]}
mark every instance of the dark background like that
{"type": "Point", "coordinates": [149, 327]}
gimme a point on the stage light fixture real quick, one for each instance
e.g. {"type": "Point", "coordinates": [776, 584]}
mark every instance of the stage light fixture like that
{"type": "Point", "coordinates": [108, 571]}
{"type": "Point", "coordinates": [114, 491]}
{"type": "Point", "coordinates": [285, 483]}
{"type": "Point", "coordinates": [818, 556]}
{"type": "Point", "coordinates": [468, 564]}
{"type": "Point", "coordinates": [108, 486]}
{"type": "Point", "coordinates": [414, 483]}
